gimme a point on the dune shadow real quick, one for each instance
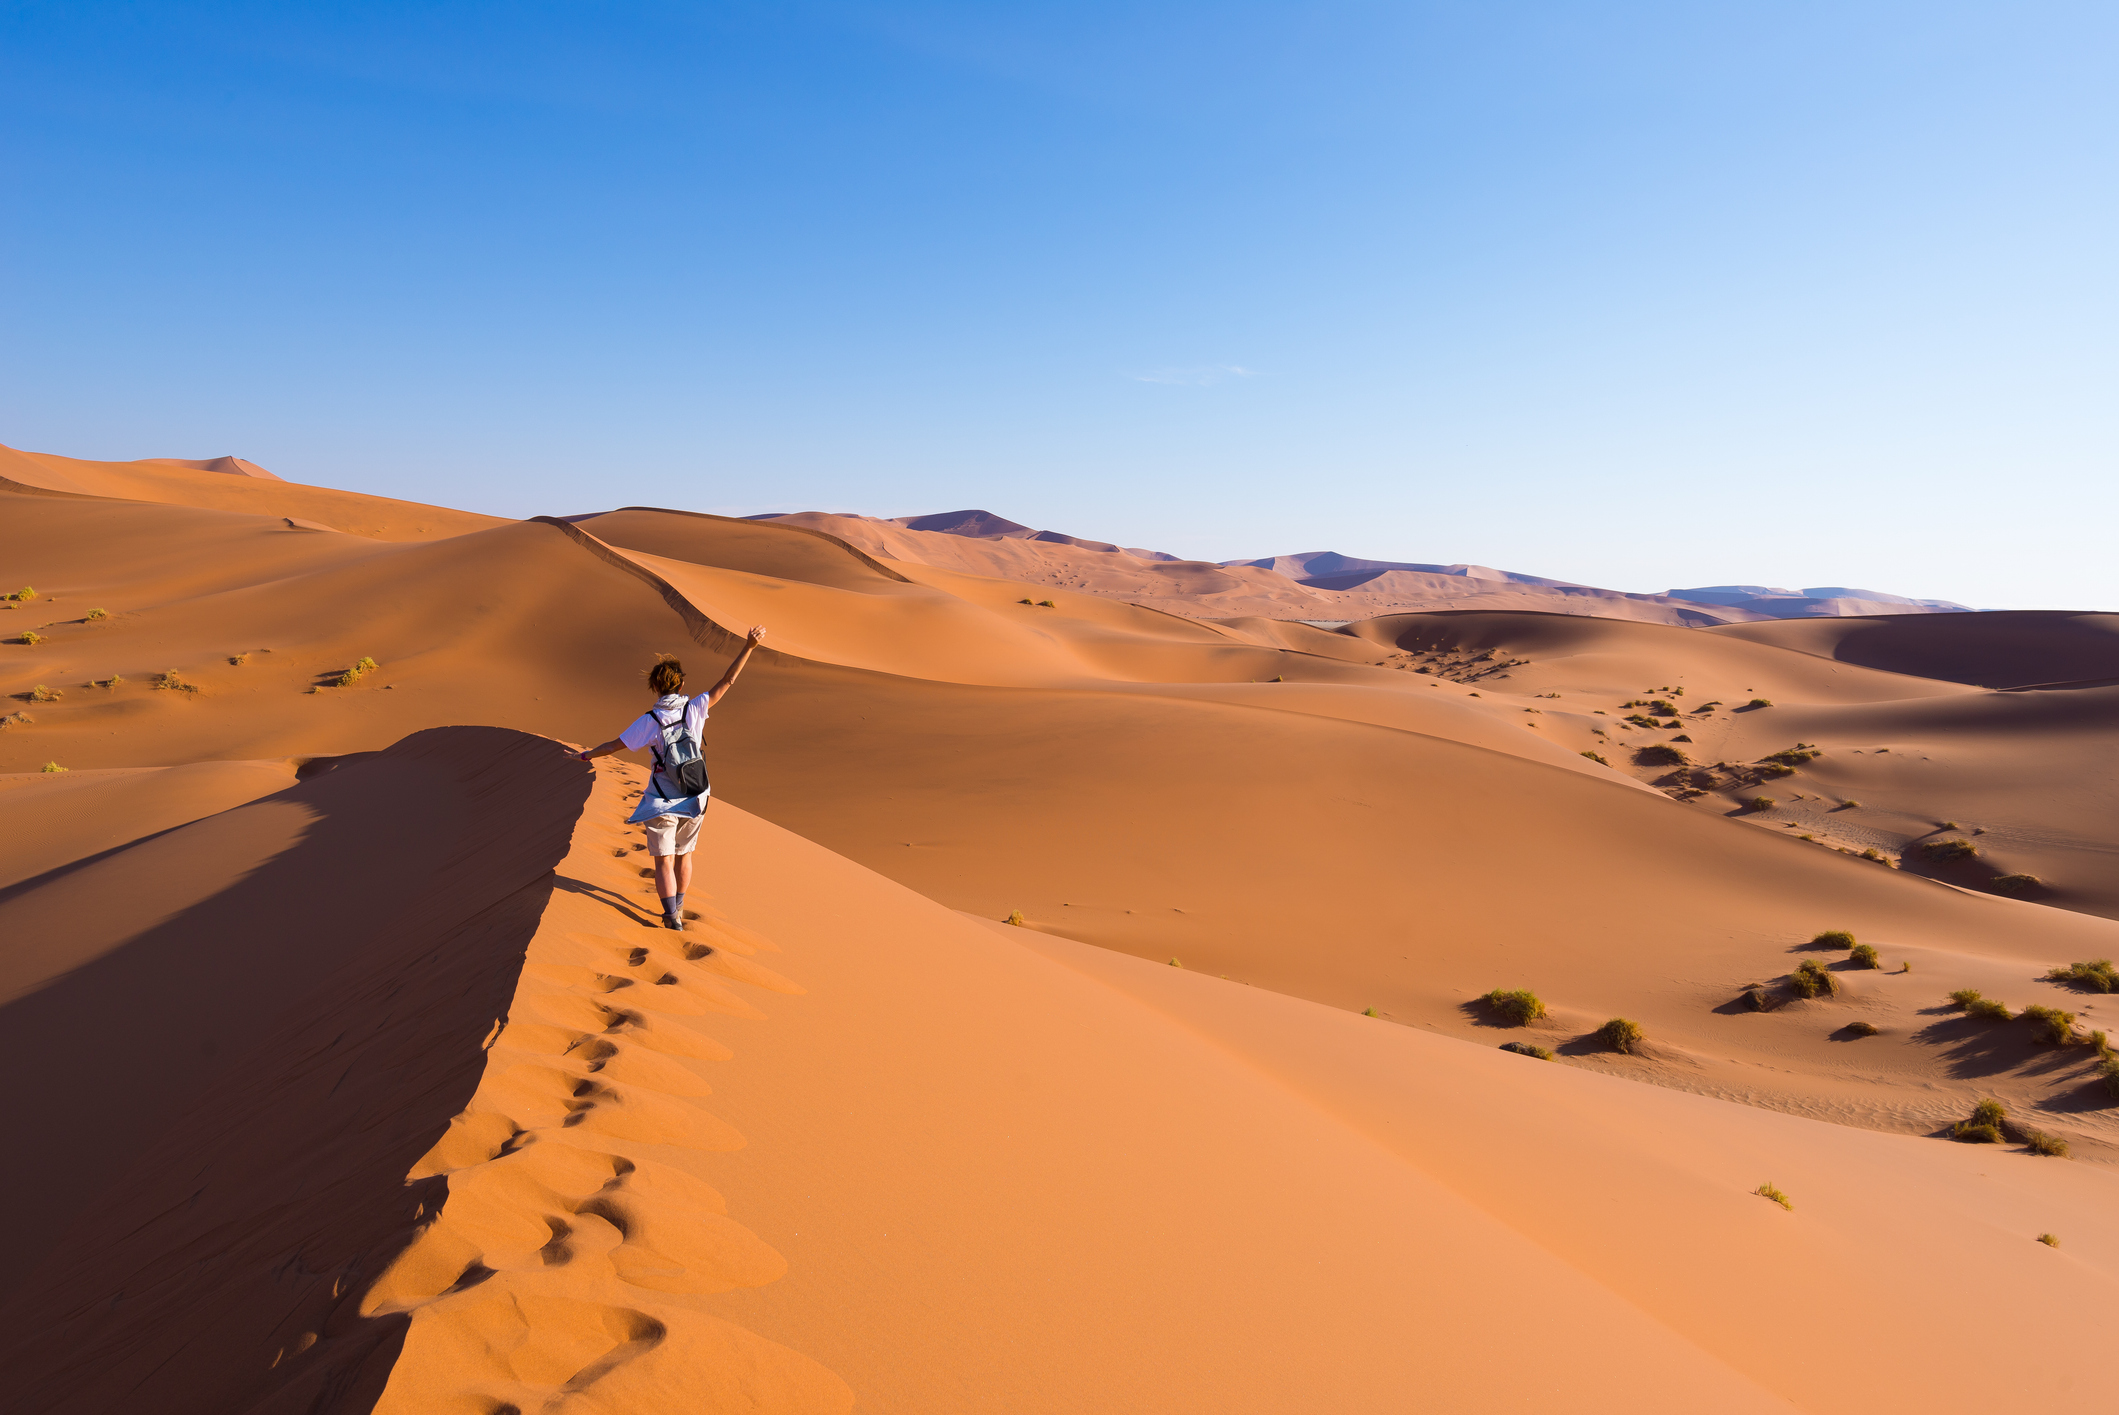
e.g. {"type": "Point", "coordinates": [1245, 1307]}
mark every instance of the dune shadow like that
{"type": "Point", "coordinates": [1974, 1047]}
{"type": "Point", "coordinates": [2091, 1094]}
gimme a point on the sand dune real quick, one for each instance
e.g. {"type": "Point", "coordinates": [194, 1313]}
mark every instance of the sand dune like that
{"type": "Point", "coordinates": [852, 1143]}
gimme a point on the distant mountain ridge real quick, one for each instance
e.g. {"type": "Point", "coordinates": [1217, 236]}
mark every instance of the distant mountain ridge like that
{"type": "Point", "coordinates": [1335, 585]}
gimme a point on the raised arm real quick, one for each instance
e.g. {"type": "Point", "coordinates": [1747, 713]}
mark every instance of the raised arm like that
{"type": "Point", "coordinates": [728, 679]}
{"type": "Point", "coordinates": [602, 750]}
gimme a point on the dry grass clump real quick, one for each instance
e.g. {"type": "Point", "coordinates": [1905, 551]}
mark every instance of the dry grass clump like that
{"type": "Point", "coordinates": [1760, 803]}
{"type": "Point", "coordinates": [2108, 1071]}
{"type": "Point", "coordinates": [30, 637]}
{"type": "Point", "coordinates": [2014, 884]}
{"type": "Point", "coordinates": [2096, 974]}
{"type": "Point", "coordinates": [1833, 938]}
{"type": "Point", "coordinates": [354, 674]}
{"type": "Point", "coordinates": [1661, 754]}
{"type": "Point", "coordinates": [1772, 770]}
{"type": "Point", "coordinates": [1986, 1009]}
{"type": "Point", "coordinates": [175, 682]}
{"type": "Point", "coordinates": [1984, 1128]}
{"type": "Point", "coordinates": [237, 660]}
{"type": "Point", "coordinates": [1810, 979]}
{"type": "Point", "coordinates": [1620, 1035]}
{"type": "Point", "coordinates": [1864, 956]}
{"type": "Point", "coordinates": [1519, 1006]}
{"type": "Point", "coordinates": [1046, 604]}
{"type": "Point", "coordinates": [113, 681]}
{"type": "Point", "coordinates": [1864, 1029]}
{"type": "Point", "coordinates": [1015, 916]}
{"type": "Point", "coordinates": [25, 594]}
{"type": "Point", "coordinates": [54, 766]}
{"type": "Point", "coordinates": [2049, 1240]}
{"type": "Point", "coordinates": [1947, 851]}
{"type": "Point", "coordinates": [95, 614]}
{"type": "Point", "coordinates": [2050, 1025]}
{"type": "Point", "coordinates": [2044, 1144]}
{"type": "Point", "coordinates": [1794, 756]}
{"type": "Point", "coordinates": [1527, 1049]}
{"type": "Point", "coordinates": [1595, 758]}
{"type": "Point", "coordinates": [42, 694]}
{"type": "Point", "coordinates": [1759, 703]}
{"type": "Point", "coordinates": [16, 719]}
{"type": "Point", "coordinates": [1768, 1191]}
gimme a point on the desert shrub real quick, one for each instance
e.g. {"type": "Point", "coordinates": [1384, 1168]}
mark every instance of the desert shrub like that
{"type": "Point", "coordinates": [1175, 964]}
{"type": "Point", "coordinates": [16, 719]}
{"type": "Point", "coordinates": [1527, 1049]}
{"type": "Point", "coordinates": [1661, 754]}
{"type": "Point", "coordinates": [1520, 1006]}
{"type": "Point", "coordinates": [1662, 708]}
{"type": "Point", "coordinates": [2014, 884]}
{"type": "Point", "coordinates": [1810, 979]}
{"type": "Point", "coordinates": [2049, 1240]}
{"type": "Point", "coordinates": [1986, 1009]}
{"type": "Point", "coordinates": [1833, 938]}
{"type": "Point", "coordinates": [1768, 1191]}
{"type": "Point", "coordinates": [1027, 600]}
{"type": "Point", "coordinates": [1989, 1112]}
{"type": "Point", "coordinates": [1773, 771]}
{"type": "Point", "coordinates": [1972, 1134]}
{"type": "Point", "coordinates": [1595, 758]}
{"type": "Point", "coordinates": [1015, 916]}
{"type": "Point", "coordinates": [112, 681]}
{"type": "Point", "coordinates": [1863, 1029]}
{"type": "Point", "coordinates": [2108, 1069]}
{"type": "Point", "coordinates": [30, 637]}
{"type": "Point", "coordinates": [1948, 825]}
{"type": "Point", "coordinates": [1865, 956]}
{"type": "Point", "coordinates": [42, 694]}
{"type": "Point", "coordinates": [25, 594]}
{"type": "Point", "coordinates": [1965, 997]}
{"type": "Point", "coordinates": [238, 660]}
{"type": "Point", "coordinates": [1949, 850]}
{"type": "Point", "coordinates": [1620, 1035]}
{"type": "Point", "coordinates": [1872, 853]}
{"type": "Point", "coordinates": [2050, 1025]}
{"type": "Point", "coordinates": [1850, 805]}
{"type": "Point", "coordinates": [1792, 757]}
{"type": "Point", "coordinates": [1759, 703]}
{"type": "Point", "coordinates": [1046, 604]}
{"type": "Point", "coordinates": [1757, 997]}
{"type": "Point", "coordinates": [54, 766]}
{"type": "Point", "coordinates": [1760, 803]}
{"type": "Point", "coordinates": [97, 614]}
{"type": "Point", "coordinates": [2096, 974]}
{"type": "Point", "coordinates": [2044, 1144]}
{"type": "Point", "coordinates": [175, 682]}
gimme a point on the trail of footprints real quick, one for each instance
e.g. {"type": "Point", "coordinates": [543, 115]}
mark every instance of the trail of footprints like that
{"type": "Point", "coordinates": [555, 1277]}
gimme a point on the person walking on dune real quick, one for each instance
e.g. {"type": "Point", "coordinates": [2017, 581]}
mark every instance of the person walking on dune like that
{"type": "Point", "coordinates": [677, 791]}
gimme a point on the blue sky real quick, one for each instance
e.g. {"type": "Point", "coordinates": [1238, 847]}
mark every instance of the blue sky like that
{"type": "Point", "coordinates": [1635, 293]}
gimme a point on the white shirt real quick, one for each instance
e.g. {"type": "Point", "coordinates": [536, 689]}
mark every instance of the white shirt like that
{"type": "Point", "coordinates": [646, 731]}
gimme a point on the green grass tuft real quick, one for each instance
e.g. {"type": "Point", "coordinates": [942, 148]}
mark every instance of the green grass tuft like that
{"type": "Point", "coordinates": [1863, 1029]}
{"type": "Point", "coordinates": [2044, 1144]}
{"type": "Point", "coordinates": [1661, 754]}
{"type": "Point", "coordinates": [1760, 702]}
{"type": "Point", "coordinates": [1595, 758]}
{"type": "Point", "coordinates": [54, 766]}
{"type": "Point", "coordinates": [1833, 938]}
{"type": "Point", "coordinates": [1015, 916]}
{"type": "Point", "coordinates": [1965, 997]}
{"type": "Point", "coordinates": [1527, 1049]}
{"type": "Point", "coordinates": [175, 682]}
{"type": "Point", "coordinates": [30, 637]}
{"type": "Point", "coordinates": [1768, 1191]}
{"type": "Point", "coordinates": [1989, 1112]}
{"type": "Point", "coordinates": [2096, 974]}
{"type": "Point", "coordinates": [1864, 956]}
{"type": "Point", "coordinates": [1760, 803]}
{"type": "Point", "coordinates": [25, 594]}
{"type": "Point", "coordinates": [1950, 850]}
{"type": "Point", "coordinates": [42, 694]}
{"type": "Point", "coordinates": [2014, 884]}
{"type": "Point", "coordinates": [1620, 1035]}
{"type": "Point", "coordinates": [1810, 979]}
{"type": "Point", "coordinates": [2051, 1025]}
{"type": "Point", "coordinates": [1520, 1006]}
{"type": "Point", "coordinates": [1972, 1134]}
{"type": "Point", "coordinates": [1986, 1009]}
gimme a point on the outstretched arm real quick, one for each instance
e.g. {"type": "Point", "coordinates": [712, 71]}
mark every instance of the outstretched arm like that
{"type": "Point", "coordinates": [728, 679]}
{"type": "Point", "coordinates": [604, 750]}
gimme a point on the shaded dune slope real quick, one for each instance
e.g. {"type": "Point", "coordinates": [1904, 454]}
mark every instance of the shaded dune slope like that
{"type": "Point", "coordinates": [1995, 649]}
{"type": "Point", "coordinates": [247, 1030]}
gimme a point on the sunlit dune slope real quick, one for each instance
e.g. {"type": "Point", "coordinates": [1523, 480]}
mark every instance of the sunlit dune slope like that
{"type": "Point", "coordinates": [171, 481]}
{"type": "Point", "coordinates": [244, 1033]}
{"type": "Point", "coordinates": [56, 818]}
{"type": "Point", "coordinates": [1996, 649]}
{"type": "Point", "coordinates": [1208, 590]}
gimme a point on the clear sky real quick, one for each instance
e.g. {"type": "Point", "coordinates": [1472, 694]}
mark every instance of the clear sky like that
{"type": "Point", "coordinates": [1640, 293]}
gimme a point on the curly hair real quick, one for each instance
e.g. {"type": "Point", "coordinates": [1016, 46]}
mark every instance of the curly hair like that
{"type": "Point", "coordinates": [667, 676]}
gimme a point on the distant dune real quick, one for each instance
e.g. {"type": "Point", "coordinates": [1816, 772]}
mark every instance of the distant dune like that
{"type": "Point", "coordinates": [358, 1079]}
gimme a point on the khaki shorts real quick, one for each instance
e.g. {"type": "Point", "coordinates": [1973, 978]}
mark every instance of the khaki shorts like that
{"type": "Point", "coordinates": [673, 835]}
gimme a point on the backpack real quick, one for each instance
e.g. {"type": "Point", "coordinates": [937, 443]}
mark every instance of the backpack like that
{"type": "Point", "coordinates": [678, 760]}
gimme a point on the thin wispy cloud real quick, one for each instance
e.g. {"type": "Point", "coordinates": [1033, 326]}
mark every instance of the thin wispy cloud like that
{"type": "Point", "coordinates": [1203, 376]}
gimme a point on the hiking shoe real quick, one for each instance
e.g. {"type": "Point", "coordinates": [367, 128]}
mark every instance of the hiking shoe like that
{"type": "Point", "coordinates": [671, 921]}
